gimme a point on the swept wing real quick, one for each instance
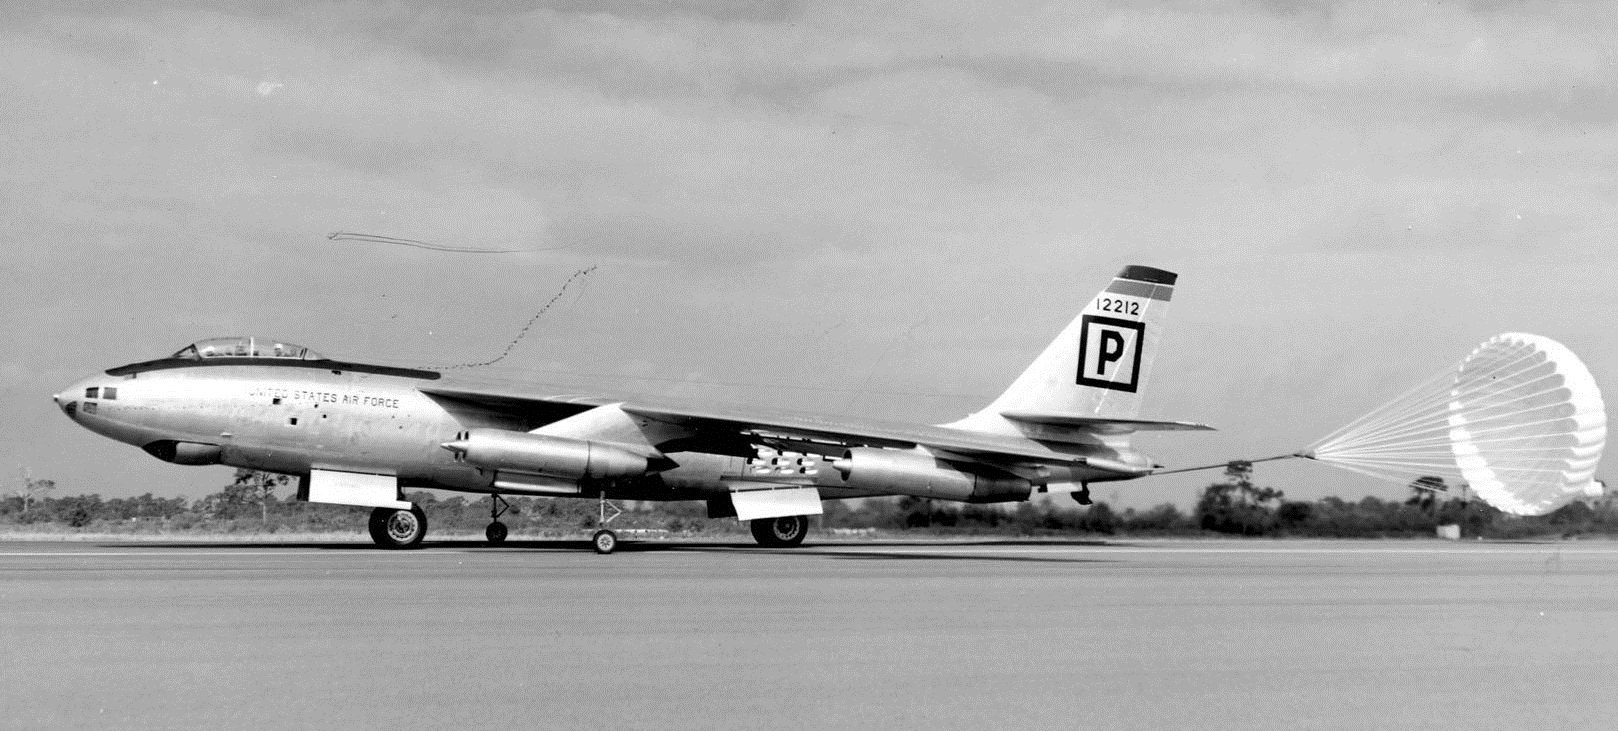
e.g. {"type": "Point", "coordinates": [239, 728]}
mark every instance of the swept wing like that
{"type": "Point", "coordinates": [810, 432]}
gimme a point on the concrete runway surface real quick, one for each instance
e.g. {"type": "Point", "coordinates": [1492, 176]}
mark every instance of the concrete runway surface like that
{"type": "Point", "coordinates": [1121, 635]}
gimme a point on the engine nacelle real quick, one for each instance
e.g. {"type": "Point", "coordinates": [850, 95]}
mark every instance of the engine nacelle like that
{"type": "Point", "coordinates": [551, 456]}
{"type": "Point", "coordinates": [192, 453]}
{"type": "Point", "coordinates": [923, 475]}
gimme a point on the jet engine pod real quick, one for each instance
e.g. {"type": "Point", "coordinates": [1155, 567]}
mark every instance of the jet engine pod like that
{"type": "Point", "coordinates": [923, 475]}
{"type": "Point", "coordinates": [542, 454]}
{"type": "Point", "coordinates": [193, 453]}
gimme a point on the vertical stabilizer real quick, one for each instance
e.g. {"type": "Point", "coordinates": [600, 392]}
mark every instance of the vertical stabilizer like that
{"type": "Point", "coordinates": [1098, 366]}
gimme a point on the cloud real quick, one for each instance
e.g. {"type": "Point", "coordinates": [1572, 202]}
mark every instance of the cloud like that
{"type": "Point", "coordinates": [690, 133]}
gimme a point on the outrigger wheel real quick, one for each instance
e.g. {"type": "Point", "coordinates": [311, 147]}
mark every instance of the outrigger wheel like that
{"type": "Point", "coordinates": [395, 528]}
{"type": "Point", "coordinates": [604, 541]}
{"type": "Point", "coordinates": [783, 532]}
{"type": "Point", "coordinates": [496, 532]}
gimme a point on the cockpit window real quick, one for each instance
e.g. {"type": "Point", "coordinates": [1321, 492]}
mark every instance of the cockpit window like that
{"type": "Point", "coordinates": [245, 347]}
{"type": "Point", "coordinates": [92, 392]}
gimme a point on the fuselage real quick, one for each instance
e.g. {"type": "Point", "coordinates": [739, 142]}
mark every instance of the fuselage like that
{"type": "Point", "coordinates": [269, 405]}
{"type": "Point", "coordinates": [295, 416]}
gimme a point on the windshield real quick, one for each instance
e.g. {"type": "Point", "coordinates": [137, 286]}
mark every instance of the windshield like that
{"type": "Point", "coordinates": [245, 347]}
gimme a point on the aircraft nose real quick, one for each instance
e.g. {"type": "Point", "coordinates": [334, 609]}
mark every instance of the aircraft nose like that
{"type": "Point", "coordinates": [65, 400]}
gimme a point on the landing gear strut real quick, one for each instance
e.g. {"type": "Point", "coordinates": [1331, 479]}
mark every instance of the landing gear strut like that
{"type": "Point", "coordinates": [496, 532]}
{"type": "Point", "coordinates": [782, 532]}
{"type": "Point", "coordinates": [604, 540]}
{"type": "Point", "coordinates": [394, 528]}
{"type": "Point", "coordinates": [1082, 495]}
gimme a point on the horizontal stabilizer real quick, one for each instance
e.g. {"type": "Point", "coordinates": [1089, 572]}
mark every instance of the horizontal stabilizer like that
{"type": "Point", "coordinates": [1101, 424]}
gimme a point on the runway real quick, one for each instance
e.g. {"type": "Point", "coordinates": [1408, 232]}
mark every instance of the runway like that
{"type": "Point", "coordinates": [943, 635]}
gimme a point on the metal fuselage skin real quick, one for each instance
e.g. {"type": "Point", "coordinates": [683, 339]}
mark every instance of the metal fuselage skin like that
{"type": "Point", "coordinates": [293, 418]}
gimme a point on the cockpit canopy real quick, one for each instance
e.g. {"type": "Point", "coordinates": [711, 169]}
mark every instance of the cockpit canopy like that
{"type": "Point", "coordinates": [245, 347]}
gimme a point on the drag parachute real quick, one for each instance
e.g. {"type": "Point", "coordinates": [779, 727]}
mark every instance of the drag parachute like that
{"type": "Point", "coordinates": [1520, 421]}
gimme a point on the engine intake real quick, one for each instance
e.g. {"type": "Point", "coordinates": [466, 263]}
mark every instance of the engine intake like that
{"type": "Point", "coordinates": [923, 475]}
{"type": "Point", "coordinates": [551, 456]}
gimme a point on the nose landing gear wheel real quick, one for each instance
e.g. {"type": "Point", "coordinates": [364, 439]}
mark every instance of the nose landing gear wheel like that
{"type": "Point", "coordinates": [496, 532]}
{"type": "Point", "coordinates": [604, 541]}
{"type": "Point", "coordinates": [393, 528]}
{"type": "Point", "coordinates": [783, 532]}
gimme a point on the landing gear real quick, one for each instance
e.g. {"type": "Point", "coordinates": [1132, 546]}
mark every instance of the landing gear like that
{"type": "Point", "coordinates": [496, 532]}
{"type": "Point", "coordinates": [782, 532]}
{"type": "Point", "coordinates": [1082, 495]}
{"type": "Point", "coordinates": [604, 540]}
{"type": "Point", "coordinates": [395, 528]}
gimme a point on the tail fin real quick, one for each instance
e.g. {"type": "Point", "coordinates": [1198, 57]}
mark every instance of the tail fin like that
{"type": "Point", "coordinates": [1096, 369]}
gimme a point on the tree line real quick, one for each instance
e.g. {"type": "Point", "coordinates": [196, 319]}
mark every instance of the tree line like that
{"type": "Point", "coordinates": [1235, 505]}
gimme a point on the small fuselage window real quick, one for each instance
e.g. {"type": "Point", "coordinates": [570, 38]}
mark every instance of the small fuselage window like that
{"type": "Point", "coordinates": [109, 393]}
{"type": "Point", "coordinates": [92, 392]}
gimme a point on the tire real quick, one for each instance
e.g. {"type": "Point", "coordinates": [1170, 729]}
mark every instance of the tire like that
{"type": "Point", "coordinates": [393, 528]}
{"type": "Point", "coordinates": [496, 532]}
{"type": "Point", "coordinates": [783, 532]}
{"type": "Point", "coordinates": [604, 541]}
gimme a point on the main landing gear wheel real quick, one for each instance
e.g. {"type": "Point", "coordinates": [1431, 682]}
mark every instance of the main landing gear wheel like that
{"type": "Point", "coordinates": [783, 532]}
{"type": "Point", "coordinates": [496, 532]}
{"type": "Point", "coordinates": [394, 528]}
{"type": "Point", "coordinates": [604, 541]}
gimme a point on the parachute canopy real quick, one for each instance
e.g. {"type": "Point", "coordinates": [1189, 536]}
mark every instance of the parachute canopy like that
{"type": "Point", "coordinates": [1519, 420]}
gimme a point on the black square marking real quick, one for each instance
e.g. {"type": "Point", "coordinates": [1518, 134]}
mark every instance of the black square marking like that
{"type": "Point", "coordinates": [1110, 353]}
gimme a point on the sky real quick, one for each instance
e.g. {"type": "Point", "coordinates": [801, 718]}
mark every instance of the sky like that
{"type": "Point", "coordinates": [865, 209]}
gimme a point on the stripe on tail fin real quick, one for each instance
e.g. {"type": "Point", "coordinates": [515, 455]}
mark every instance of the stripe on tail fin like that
{"type": "Point", "coordinates": [1095, 371]}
